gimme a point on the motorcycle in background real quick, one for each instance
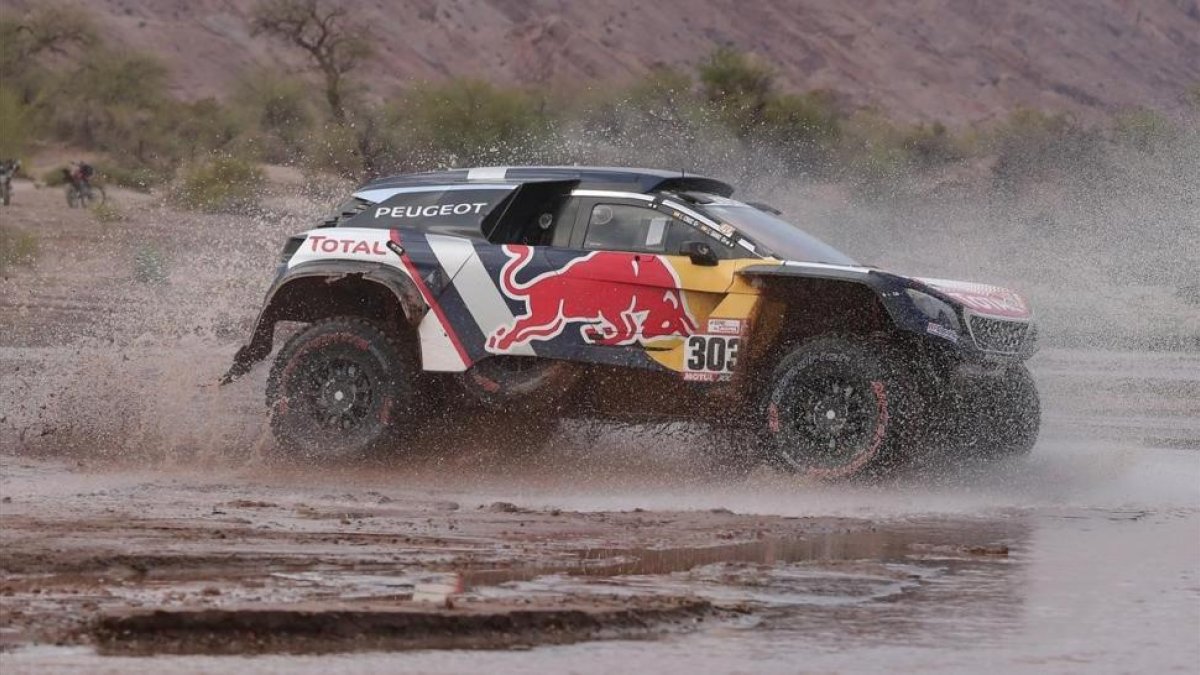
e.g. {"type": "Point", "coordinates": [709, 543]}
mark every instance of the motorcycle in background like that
{"type": "Point", "coordinates": [8, 169]}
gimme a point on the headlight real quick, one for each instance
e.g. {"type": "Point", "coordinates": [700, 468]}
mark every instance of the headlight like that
{"type": "Point", "coordinates": [937, 310]}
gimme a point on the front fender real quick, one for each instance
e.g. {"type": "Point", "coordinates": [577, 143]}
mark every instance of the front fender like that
{"type": "Point", "coordinates": [890, 289]}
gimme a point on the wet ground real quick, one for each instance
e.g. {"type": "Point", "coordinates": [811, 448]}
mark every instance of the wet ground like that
{"type": "Point", "coordinates": [1084, 556]}
{"type": "Point", "coordinates": [129, 485]}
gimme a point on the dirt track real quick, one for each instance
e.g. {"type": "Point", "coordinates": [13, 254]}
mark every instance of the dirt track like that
{"type": "Point", "coordinates": [132, 485]}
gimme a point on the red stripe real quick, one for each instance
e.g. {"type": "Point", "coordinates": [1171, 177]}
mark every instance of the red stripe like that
{"type": "Point", "coordinates": [429, 299]}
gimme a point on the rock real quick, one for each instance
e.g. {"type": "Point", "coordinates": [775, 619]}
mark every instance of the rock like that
{"type": "Point", "coordinates": [503, 507]}
{"type": "Point", "coordinates": [250, 504]}
{"type": "Point", "coordinates": [998, 549]}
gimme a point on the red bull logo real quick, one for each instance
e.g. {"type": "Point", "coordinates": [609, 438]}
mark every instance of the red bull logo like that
{"type": "Point", "coordinates": [620, 299]}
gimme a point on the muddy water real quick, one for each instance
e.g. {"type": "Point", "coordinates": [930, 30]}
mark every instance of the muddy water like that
{"type": "Point", "coordinates": [1086, 556]}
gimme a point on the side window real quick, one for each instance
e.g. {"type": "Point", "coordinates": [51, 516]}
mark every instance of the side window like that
{"type": "Point", "coordinates": [624, 227]}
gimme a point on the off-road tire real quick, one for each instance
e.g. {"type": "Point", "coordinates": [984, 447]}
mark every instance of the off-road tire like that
{"type": "Point", "coordinates": [837, 408]}
{"type": "Point", "coordinates": [998, 417]}
{"type": "Point", "coordinates": [341, 388]}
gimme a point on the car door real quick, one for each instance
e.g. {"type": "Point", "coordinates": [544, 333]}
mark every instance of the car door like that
{"type": "Point", "coordinates": [642, 297]}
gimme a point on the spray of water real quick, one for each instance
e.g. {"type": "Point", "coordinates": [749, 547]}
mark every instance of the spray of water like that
{"type": "Point", "coordinates": [1108, 257]}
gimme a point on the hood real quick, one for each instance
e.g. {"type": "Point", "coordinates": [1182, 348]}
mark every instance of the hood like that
{"type": "Point", "coordinates": [982, 299]}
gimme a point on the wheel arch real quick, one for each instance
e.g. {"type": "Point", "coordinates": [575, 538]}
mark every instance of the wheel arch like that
{"type": "Point", "coordinates": [798, 308]}
{"type": "Point", "coordinates": [313, 291]}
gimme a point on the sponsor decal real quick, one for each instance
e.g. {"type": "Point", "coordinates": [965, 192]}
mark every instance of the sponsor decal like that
{"type": "Point", "coordinates": [983, 299]}
{"type": "Point", "coordinates": [643, 304]}
{"type": "Point", "coordinates": [710, 358]}
{"type": "Point", "coordinates": [431, 211]}
{"type": "Point", "coordinates": [1009, 304]}
{"type": "Point", "coordinates": [941, 331]}
{"type": "Point", "coordinates": [724, 327]}
{"type": "Point", "coordinates": [320, 244]}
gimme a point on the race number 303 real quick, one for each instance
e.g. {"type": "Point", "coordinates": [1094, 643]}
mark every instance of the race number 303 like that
{"type": "Point", "coordinates": [716, 354]}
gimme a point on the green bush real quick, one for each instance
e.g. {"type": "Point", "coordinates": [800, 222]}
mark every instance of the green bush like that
{"type": "Point", "coordinates": [220, 184]}
{"type": "Point", "coordinates": [281, 114]}
{"type": "Point", "coordinates": [140, 178]}
{"type": "Point", "coordinates": [331, 149]}
{"type": "Point", "coordinates": [16, 126]}
{"type": "Point", "coordinates": [1144, 129]}
{"type": "Point", "coordinates": [802, 127]}
{"type": "Point", "coordinates": [1031, 143]}
{"type": "Point", "coordinates": [107, 212]}
{"type": "Point", "coordinates": [55, 177]}
{"type": "Point", "coordinates": [16, 248]}
{"type": "Point", "coordinates": [739, 88]}
{"type": "Point", "coordinates": [931, 145]}
{"type": "Point", "coordinates": [465, 122]}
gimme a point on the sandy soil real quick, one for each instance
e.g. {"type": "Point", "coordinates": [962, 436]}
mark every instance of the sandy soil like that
{"type": "Point", "coordinates": [140, 517]}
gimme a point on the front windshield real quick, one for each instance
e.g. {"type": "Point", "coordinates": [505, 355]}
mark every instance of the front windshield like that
{"type": "Point", "coordinates": [782, 239]}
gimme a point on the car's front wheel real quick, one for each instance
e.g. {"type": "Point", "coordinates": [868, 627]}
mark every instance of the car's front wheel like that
{"type": "Point", "coordinates": [339, 388]}
{"type": "Point", "coordinates": [837, 408]}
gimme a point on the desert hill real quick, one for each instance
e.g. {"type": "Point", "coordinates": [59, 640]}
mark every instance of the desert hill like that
{"type": "Point", "coordinates": [952, 60]}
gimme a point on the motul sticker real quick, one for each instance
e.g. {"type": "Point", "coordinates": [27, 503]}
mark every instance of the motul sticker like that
{"type": "Point", "coordinates": [941, 331]}
{"type": "Point", "coordinates": [724, 327]}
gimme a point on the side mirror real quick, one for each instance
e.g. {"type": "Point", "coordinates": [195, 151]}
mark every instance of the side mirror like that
{"type": "Point", "coordinates": [700, 253]}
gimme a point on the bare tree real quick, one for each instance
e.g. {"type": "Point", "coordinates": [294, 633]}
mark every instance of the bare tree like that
{"type": "Point", "coordinates": [320, 29]}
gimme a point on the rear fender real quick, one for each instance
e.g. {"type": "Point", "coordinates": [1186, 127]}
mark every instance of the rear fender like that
{"type": "Point", "coordinates": [312, 291]}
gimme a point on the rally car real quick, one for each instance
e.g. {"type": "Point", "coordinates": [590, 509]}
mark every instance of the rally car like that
{"type": "Point", "coordinates": [537, 293]}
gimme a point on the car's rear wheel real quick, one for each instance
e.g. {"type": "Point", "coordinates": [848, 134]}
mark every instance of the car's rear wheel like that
{"type": "Point", "coordinates": [339, 388]}
{"type": "Point", "coordinates": [838, 408]}
{"type": "Point", "coordinates": [998, 417]}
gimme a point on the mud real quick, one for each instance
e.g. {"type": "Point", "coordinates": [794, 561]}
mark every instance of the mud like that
{"type": "Point", "coordinates": [144, 524]}
{"type": "Point", "coordinates": [137, 562]}
{"type": "Point", "coordinates": [323, 628]}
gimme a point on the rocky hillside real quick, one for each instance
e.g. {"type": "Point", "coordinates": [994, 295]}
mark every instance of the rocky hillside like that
{"type": "Point", "coordinates": [954, 60]}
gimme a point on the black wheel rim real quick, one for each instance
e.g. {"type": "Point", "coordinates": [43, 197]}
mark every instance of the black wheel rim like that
{"type": "Point", "coordinates": [827, 422]}
{"type": "Point", "coordinates": [337, 393]}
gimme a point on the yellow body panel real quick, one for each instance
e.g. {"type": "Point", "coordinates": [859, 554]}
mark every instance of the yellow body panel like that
{"type": "Point", "coordinates": [711, 292]}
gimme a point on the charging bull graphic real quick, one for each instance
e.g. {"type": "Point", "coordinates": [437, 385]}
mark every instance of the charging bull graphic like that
{"type": "Point", "coordinates": [621, 299]}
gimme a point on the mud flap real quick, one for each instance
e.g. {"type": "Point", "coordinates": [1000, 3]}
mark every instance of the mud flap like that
{"type": "Point", "coordinates": [244, 360]}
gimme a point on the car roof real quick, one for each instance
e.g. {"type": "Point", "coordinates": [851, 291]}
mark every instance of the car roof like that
{"type": "Point", "coordinates": [588, 177]}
